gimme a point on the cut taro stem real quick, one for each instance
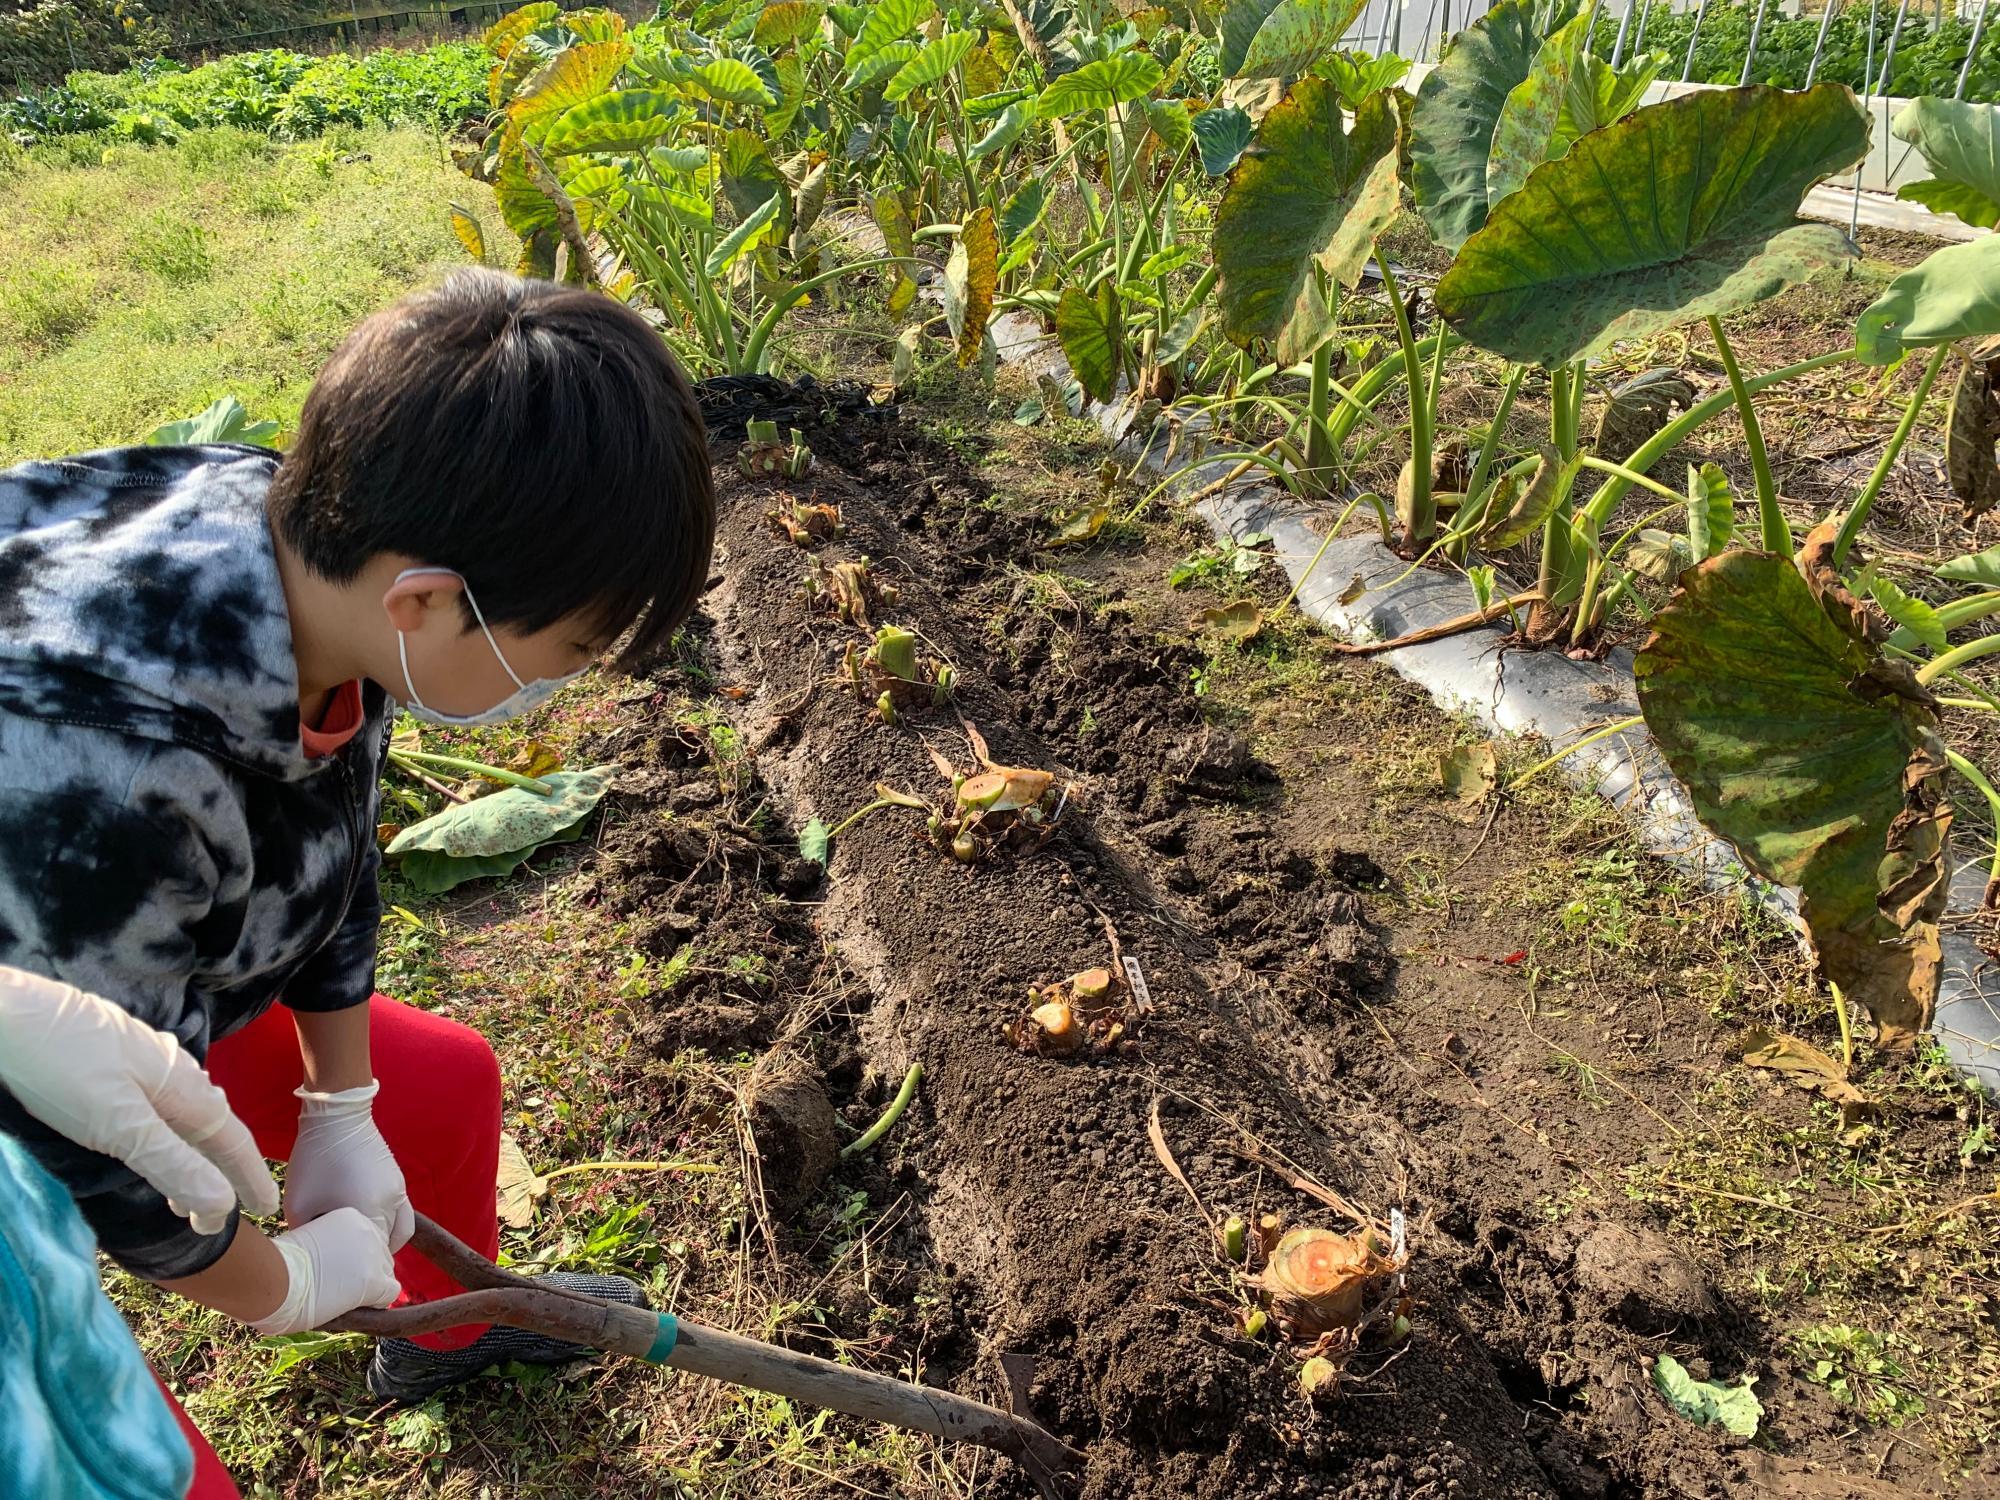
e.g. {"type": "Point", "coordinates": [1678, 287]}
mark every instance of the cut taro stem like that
{"type": "Point", "coordinates": [1270, 1229]}
{"type": "Point", "coordinates": [1235, 1237]}
{"type": "Point", "coordinates": [1060, 1033]}
{"type": "Point", "coordinates": [890, 1116]}
{"type": "Point", "coordinates": [1091, 986]}
{"type": "Point", "coordinates": [895, 652]}
{"type": "Point", "coordinates": [1317, 1279]}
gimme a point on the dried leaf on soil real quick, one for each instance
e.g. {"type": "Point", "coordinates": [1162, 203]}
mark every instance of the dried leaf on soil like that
{"type": "Point", "coordinates": [1081, 527]}
{"type": "Point", "coordinates": [520, 1186]}
{"type": "Point", "coordinates": [1807, 1067]}
{"type": "Point", "coordinates": [1734, 1408]}
{"type": "Point", "coordinates": [1469, 771]}
{"type": "Point", "coordinates": [1639, 408]}
{"type": "Point", "coordinates": [1238, 621]}
{"type": "Point", "coordinates": [1165, 1156]}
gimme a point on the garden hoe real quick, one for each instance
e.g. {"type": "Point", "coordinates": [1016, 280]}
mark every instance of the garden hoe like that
{"type": "Point", "coordinates": [497, 1296]}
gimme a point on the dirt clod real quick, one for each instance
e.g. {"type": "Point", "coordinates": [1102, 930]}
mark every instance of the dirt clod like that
{"type": "Point", "coordinates": [1638, 1279]}
{"type": "Point", "coordinates": [793, 1124]}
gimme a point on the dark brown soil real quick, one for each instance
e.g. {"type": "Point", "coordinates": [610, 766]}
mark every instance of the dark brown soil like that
{"type": "Point", "coordinates": [1249, 907]}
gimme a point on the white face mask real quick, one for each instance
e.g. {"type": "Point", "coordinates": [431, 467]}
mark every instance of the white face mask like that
{"type": "Point", "coordinates": [526, 697]}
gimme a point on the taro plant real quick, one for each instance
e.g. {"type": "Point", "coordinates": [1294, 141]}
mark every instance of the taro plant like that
{"type": "Point", "coordinates": [1683, 210]}
{"type": "Point", "coordinates": [1799, 697]}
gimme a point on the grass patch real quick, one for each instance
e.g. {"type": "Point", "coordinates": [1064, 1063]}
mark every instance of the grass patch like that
{"type": "Point", "coordinates": [138, 284]}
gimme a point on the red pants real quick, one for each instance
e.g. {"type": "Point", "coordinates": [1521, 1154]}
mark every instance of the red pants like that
{"type": "Point", "coordinates": [439, 1110]}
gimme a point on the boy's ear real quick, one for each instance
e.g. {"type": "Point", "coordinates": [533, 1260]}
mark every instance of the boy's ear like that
{"type": "Point", "coordinates": [410, 599]}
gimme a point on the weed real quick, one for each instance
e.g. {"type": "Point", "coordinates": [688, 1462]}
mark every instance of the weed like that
{"type": "Point", "coordinates": [1227, 565]}
{"type": "Point", "coordinates": [1860, 1369]}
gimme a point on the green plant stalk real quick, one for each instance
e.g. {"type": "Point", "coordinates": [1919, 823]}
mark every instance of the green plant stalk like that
{"type": "Point", "coordinates": [1964, 611]}
{"type": "Point", "coordinates": [1978, 779]}
{"type": "Point", "coordinates": [1616, 726]}
{"type": "Point", "coordinates": [1846, 1028]}
{"type": "Point", "coordinates": [1958, 656]}
{"type": "Point", "coordinates": [1631, 476]}
{"type": "Point", "coordinates": [1600, 505]}
{"type": "Point", "coordinates": [1850, 526]}
{"type": "Point", "coordinates": [1376, 382]}
{"type": "Point", "coordinates": [1490, 449]}
{"type": "Point", "coordinates": [1775, 535]}
{"type": "Point", "coordinates": [413, 759]}
{"type": "Point", "coordinates": [867, 1139]}
{"type": "Point", "coordinates": [1420, 524]}
{"type": "Point", "coordinates": [1319, 442]}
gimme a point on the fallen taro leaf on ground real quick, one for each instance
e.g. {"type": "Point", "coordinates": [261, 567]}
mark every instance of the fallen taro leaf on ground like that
{"type": "Point", "coordinates": [1734, 1408]}
{"type": "Point", "coordinates": [1081, 527]}
{"type": "Point", "coordinates": [1239, 621]}
{"type": "Point", "coordinates": [493, 835]}
{"type": "Point", "coordinates": [1469, 771]}
{"type": "Point", "coordinates": [520, 1187]}
{"type": "Point", "coordinates": [1807, 1067]}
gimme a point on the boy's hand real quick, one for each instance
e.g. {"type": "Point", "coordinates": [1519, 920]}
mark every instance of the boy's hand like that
{"type": "Point", "coordinates": [341, 1161]}
{"type": "Point", "coordinates": [113, 1084]}
{"type": "Point", "coordinates": [333, 1265]}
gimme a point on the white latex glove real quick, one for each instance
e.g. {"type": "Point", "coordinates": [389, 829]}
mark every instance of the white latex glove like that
{"type": "Point", "coordinates": [335, 1264]}
{"type": "Point", "coordinates": [341, 1161]}
{"type": "Point", "coordinates": [113, 1084]}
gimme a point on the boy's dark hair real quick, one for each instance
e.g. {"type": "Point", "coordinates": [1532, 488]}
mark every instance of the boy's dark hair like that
{"type": "Point", "coordinates": [539, 439]}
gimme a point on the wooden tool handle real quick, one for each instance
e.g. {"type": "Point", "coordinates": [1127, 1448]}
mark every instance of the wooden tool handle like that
{"type": "Point", "coordinates": [497, 1296]}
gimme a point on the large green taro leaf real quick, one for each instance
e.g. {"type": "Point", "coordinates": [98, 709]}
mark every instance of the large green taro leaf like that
{"type": "Point", "coordinates": [1681, 210]}
{"type": "Point", "coordinates": [1818, 759]}
{"type": "Point", "coordinates": [1960, 143]}
{"type": "Point", "coordinates": [1451, 127]}
{"type": "Point", "coordinates": [624, 121]}
{"type": "Point", "coordinates": [1280, 38]}
{"type": "Point", "coordinates": [1088, 326]}
{"type": "Point", "coordinates": [1953, 293]}
{"type": "Point", "coordinates": [491, 835]}
{"type": "Point", "coordinates": [1308, 192]}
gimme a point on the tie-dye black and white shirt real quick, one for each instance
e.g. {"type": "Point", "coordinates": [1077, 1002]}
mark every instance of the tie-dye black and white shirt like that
{"type": "Point", "coordinates": [164, 840]}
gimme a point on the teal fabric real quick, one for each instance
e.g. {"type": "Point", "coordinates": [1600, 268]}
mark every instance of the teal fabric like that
{"type": "Point", "coordinates": [80, 1415]}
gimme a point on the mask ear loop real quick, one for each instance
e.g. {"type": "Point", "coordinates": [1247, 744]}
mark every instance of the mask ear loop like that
{"type": "Point", "coordinates": [477, 614]}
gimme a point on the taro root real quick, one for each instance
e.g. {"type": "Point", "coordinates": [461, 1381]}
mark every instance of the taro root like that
{"type": "Point", "coordinates": [805, 525]}
{"type": "Point", "coordinates": [1318, 1282]}
{"type": "Point", "coordinates": [1084, 1010]}
{"type": "Point", "coordinates": [850, 589]}
{"type": "Point", "coordinates": [1319, 1379]}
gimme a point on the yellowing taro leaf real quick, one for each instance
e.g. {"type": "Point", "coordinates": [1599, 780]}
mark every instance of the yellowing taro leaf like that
{"type": "Point", "coordinates": [520, 1187]}
{"type": "Point", "coordinates": [503, 34]}
{"type": "Point", "coordinates": [891, 213]}
{"type": "Point", "coordinates": [1818, 758]}
{"type": "Point", "coordinates": [1469, 771]}
{"type": "Point", "coordinates": [1239, 621]}
{"type": "Point", "coordinates": [1081, 527]}
{"type": "Point", "coordinates": [1734, 1408]}
{"type": "Point", "coordinates": [1309, 193]}
{"type": "Point", "coordinates": [470, 235]}
{"type": "Point", "coordinates": [970, 277]}
{"type": "Point", "coordinates": [574, 76]}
